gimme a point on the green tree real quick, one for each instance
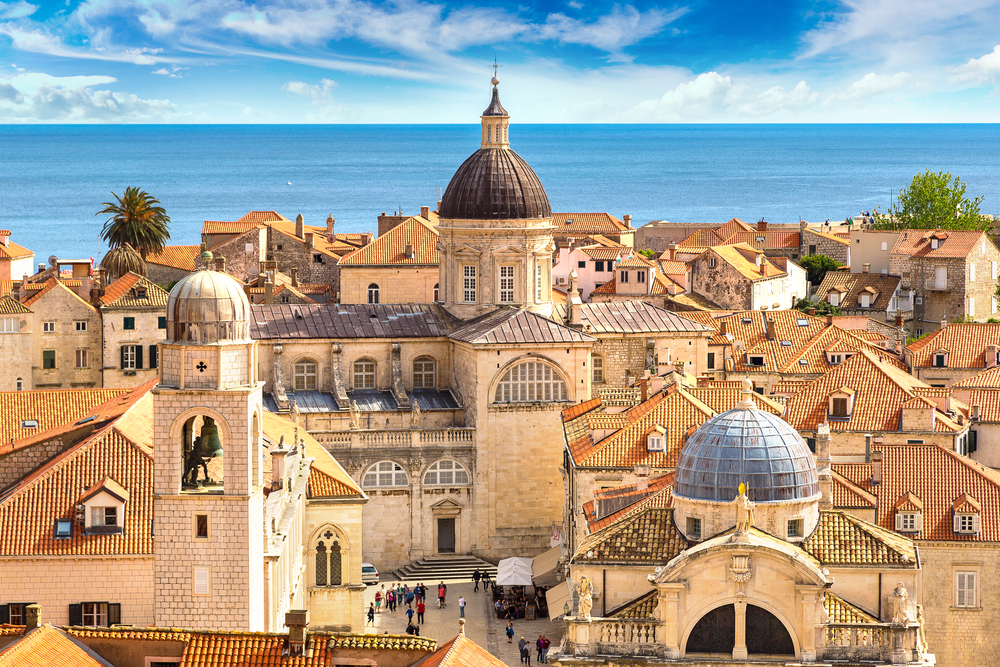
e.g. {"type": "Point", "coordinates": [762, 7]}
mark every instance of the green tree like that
{"type": "Point", "coordinates": [935, 200]}
{"type": "Point", "coordinates": [136, 219]}
{"type": "Point", "coordinates": [648, 254]}
{"type": "Point", "coordinates": [822, 307]}
{"type": "Point", "coordinates": [816, 267]}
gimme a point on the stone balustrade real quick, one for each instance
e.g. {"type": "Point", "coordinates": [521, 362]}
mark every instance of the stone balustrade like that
{"type": "Point", "coordinates": [623, 637]}
{"type": "Point", "coordinates": [893, 643]}
{"type": "Point", "coordinates": [334, 440]}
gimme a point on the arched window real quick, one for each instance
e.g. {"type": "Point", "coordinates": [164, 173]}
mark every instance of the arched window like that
{"type": "Point", "coordinates": [305, 376]}
{"type": "Point", "coordinates": [446, 473]}
{"type": "Point", "coordinates": [373, 293]}
{"type": "Point", "coordinates": [329, 564]}
{"type": "Point", "coordinates": [423, 373]}
{"type": "Point", "coordinates": [531, 381]}
{"type": "Point", "coordinates": [20, 384]}
{"type": "Point", "coordinates": [437, 293]}
{"type": "Point", "coordinates": [364, 374]}
{"type": "Point", "coordinates": [596, 368]}
{"type": "Point", "coordinates": [489, 134]}
{"type": "Point", "coordinates": [385, 474]}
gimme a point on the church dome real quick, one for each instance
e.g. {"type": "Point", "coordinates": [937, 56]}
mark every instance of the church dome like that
{"type": "Point", "coordinates": [208, 307]}
{"type": "Point", "coordinates": [751, 446]}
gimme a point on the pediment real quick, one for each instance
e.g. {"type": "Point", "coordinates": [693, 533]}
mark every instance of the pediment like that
{"type": "Point", "coordinates": [446, 507]}
{"type": "Point", "coordinates": [467, 251]}
{"type": "Point", "coordinates": [509, 251]}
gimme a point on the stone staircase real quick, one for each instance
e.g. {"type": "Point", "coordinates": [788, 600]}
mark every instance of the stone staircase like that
{"type": "Point", "coordinates": [443, 567]}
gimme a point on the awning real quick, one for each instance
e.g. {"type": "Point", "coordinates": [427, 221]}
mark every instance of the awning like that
{"type": "Point", "coordinates": [543, 568]}
{"type": "Point", "coordinates": [556, 598]}
{"type": "Point", "coordinates": [514, 572]}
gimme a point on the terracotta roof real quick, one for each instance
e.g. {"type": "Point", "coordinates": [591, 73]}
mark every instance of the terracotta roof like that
{"type": "Point", "coordinates": [342, 245]}
{"type": "Point", "coordinates": [848, 495]}
{"type": "Point", "coordinates": [732, 226]}
{"type": "Point", "coordinates": [773, 240]}
{"type": "Point", "coordinates": [461, 652]}
{"type": "Point", "coordinates": [645, 537]}
{"type": "Point", "coordinates": [176, 256]}
{"type": "Point", "coordinates": [641, 607]}
{"type": "Point", "coordinates": [952, 243]}
{"type": "Point", "coordinates": [263, 216]}
{"type": "Point", "coordinates": [851, 285]}
{"type": "Point", "coordinates": [842, 539]}
{"type": "Point", "coordinates": [333, 320]}
{"type": "Point", "coordinates": [750, 327]}
{"type": "Point", "coordinates": [672, 267]}
{"type": "Point", "coordinates": [51, 284]}
{"type": "Point", "coordinates": [588, 224]}
{"type": "Point", "coordinates": [702, 238]}
{"type": "Point", "coordinates": [210, 227]}
{"type": "Point", "coordinates": [843, 238]}
{"type": "Point", "coordinates": [966, 344]}
{"type": "Point", "coordinates": [14, 251]}
{"type": "Point", "coordinates": [742, 258]}
{"type": "Point", "coordinates": [882, 390]}
{"type": "Point", "coordinates": [390, 248]}
{"type": "Point", "coordinates": [636, 261]}
{"type": "Point", "coordinates": [661, 495]}
{"type": "Point", "coordinates": [987, 379]}
{"type": "Point", "coordinates": [831, 339]}
{"type": "Point", "coordinates": [514, 325]}
{"type": "Point", "coordinates": [609, 287]}
{"type": "Point", "coordinates": [629, 317]}
{"type": "Point", "coordinates": [122, 293]}
{"type": "Point", "coordinates": [938, 478]}
{"type": "Point", "coordinates": [841, 611]}
{"type": "Point", "coordinates": [47, 646]}
{"type": "Point", "coordinates": [693, 303]}
{"type": "Point", "coordinates": [11, 306]}
{"type": "Point", "coordinates": [49, 407]}
{"type": "Point", "coordinates": [604, 253]}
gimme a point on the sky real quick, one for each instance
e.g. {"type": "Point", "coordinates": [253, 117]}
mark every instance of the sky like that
{"type": "Point", "coordinates": [565, 61]}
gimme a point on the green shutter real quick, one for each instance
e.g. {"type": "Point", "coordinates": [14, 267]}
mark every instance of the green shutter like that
{"type": "Point", "coordinates": [48, 359]}
{"type": "Point", "coordinates": [138, 356]}
{"type": "Point", "coordinates": [154, 356]}
{"type": "Point", "coordinates": [129, 323]}
{"type": "Point", "coordinates": [76, 614]}
{"type": "Point", "coordinates": [122, 357]}
{"type": "Point", "coordinates": [161, 323]}
{"type": "Point", "coordinates": [4, 614]}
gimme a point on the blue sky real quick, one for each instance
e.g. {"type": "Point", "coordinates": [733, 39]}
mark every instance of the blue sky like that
{"type": "Point", "coordinates": [421, 61]}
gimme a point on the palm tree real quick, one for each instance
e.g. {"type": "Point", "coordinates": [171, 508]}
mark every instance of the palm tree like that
{"type": "Point", "coordinates": [119, 261]}
{"type": "Point", "coordinates": [137, 219]}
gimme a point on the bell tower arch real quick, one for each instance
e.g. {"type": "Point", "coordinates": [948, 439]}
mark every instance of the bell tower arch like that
{"type": "Point", "coordinates": [208, 496]}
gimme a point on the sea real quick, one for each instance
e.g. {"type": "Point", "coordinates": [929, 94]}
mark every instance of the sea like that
{"type": "Point", "coordinates": [54, 179]}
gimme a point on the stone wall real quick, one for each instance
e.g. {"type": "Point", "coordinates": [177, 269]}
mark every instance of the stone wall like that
{"type": "Point", "coordinates": [164, 275]}
{"type": "Point", "coordinates": [724, 284]}
{"type": "Point", "coordinates": [396, 284]}
{"type": "Point", "coordinates": [314, 266]}
{"type": "Point", "coordinates": [62, 307]}
{"type": "Point", "coordinates": [852, 443]}
{"type": "Point", "coordinates": [623, 357]}
{"type": "Point", "coordinates": [824, 246]}
{"type": "Point", "coordinates": [387, 528]}
{"type": "Point", "coordinates": [341, 606]}
{"type": "Point", "coordinates": [146, 334]}
{"type": "Point", "coordinates": [243, 254]}
{"type": "Point", "coordinates": [15, 350]}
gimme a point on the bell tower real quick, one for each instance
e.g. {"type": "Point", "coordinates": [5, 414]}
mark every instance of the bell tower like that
{"type": "Point", "coordinates": [208, 494]}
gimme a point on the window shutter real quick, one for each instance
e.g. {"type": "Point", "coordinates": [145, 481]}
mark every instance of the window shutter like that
{"type": "Point", "coordinates": [956, 522]}
{"type": "Point", "coordinates": [970, 589]}
{"type": "Point", "coordinates": [918, 521]}
{"type": "Point", "coordinates": [899, 521]}
{"type": "Point", "coordinates": [976, 524]}
{"type": "Point", "coordinates": [4, 614]}
{"type": "Point", "coordinates": [76, 614]}
{"type": "Point", "coordinates": [122, 350]}
{"type": "Point", "coordinates": [960, 590]}
{"type": "Point", "coordinates": [201, 581]}
{"type": "Point", "coordinates": [138, 356]}
{"type": "Point", "coordinates": [153, 356]}
{"type": "Point", "coordinates": [114, 613]}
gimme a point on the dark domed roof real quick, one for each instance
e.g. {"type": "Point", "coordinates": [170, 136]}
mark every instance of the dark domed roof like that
{"type": "Point", "coordinates": [746, 445]}
{"type": "Point", "coordinates": [495, 184]}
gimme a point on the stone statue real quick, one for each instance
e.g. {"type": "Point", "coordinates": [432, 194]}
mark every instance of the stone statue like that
{"type": "Point", "coordinates": [295, 412]}
{"type": "Point", "coordinates": [899, 603]}
{"type": "Point", "coordinates": [415, 415]}
{"type": "Point", "coordinates": [355, 415]}
{"type": "Point", "coordinates": [744, 511]}
{"type": "Point", "coordinates": [586, 590]}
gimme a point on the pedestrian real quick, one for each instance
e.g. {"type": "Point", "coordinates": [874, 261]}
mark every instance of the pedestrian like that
{"type": "Point", "coordinates": [538, 649]}
{"type": "Point", "coordinates": [442, 591]}
{"type": "Point", "coordinates": [421, 592]}
{"type": "Point", "coordinates": [411, 629]}
{"type": "Point", "coordinates": [525, 648]}
{"type": "Point", "coordinates": [510, 632]}
{"type": "Point", "coordinates": [461, 607]}
{"type": "Point", "coordinates": [371, 614]}
{"type": "Point", "coordinates": [409, 615]}
{"type": "Point", "coordinates": [545, 649]}
{"type": "Point", "coordinates": [486, 580]}
{"type": "Point", "coordinates": [476, 576]}
{"type": "Point", "coordinates": [378, 601]}
{"type": "Point", "coordinates": [390, 600]}
{"type": "Point", "coordinates": [420, 611]}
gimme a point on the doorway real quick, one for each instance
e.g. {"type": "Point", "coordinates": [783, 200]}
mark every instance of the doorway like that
{"type": "Point", "coordinates": [446, 536]}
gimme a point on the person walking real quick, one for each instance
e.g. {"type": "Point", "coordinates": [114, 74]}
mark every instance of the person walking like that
{"type": "Point", "coordinates": [525, 648]}
{"type": "Point", "coordinates": [545, 649]}
{"type": "Point", "coordinates": [409, 615]}
{"type": "Point", "coordinates": [420, 611]}
{"type": "Point", "coordinates": [378, 602]}
{"type": "Point", "coordinates": [510, 632]}
{"type": "Point", "coordinates": [371, 615]}
{"type": "Point", "coordinates": [390, 600]}
{"type": "Point", "coordinates": [486, 580]}
{"type": "Point", "coordinates": [476, 576]}
{"type": "Point", "coordinates": [461, 607]}
{"type": "Point", "coordinates": [442, 591]}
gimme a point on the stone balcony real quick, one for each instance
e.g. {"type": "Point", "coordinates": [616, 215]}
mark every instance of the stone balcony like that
{"type": "Point", "coordinates": [403, 438]}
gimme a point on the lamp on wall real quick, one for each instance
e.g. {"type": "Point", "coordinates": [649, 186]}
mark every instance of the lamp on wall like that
{"type": "Point", "coordinates": [566, 609]}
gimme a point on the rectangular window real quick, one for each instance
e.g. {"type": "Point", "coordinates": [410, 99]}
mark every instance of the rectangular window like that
{"type": "Point", "coordinates": [538, 282]}
{"type": "Point", "coordinates": [48, 359]}
{"type": "Point", "coordinates": [95, 614]}
{"type": "Point", "coordinates": [993, 270]}
{"type": "Point", "coordinates": [885, 245]}
{"type": "Point", "coordinates": [161, 322]}
{"type": "Point", "coordinates": [202, 581]}
{"type": "Point", "coordinates": [908, 522]}
{"type": "Point", "coordinates": [640, 276]}
{"type": "Point", "coordinates": [940, 361]}
{"type": "Point", "coordinates": [103, 516]}
{"type": "Point", "coordinates": [965, 589]}
{"type": "Point", "coordinates": [693, 528]}
{"type": "Point", "coordinates": [63, 529]}
{"type": "Point", "coordinates": [10, 325]}
{"type": "Point", "coordinates": [711, 360]}
{"type": "Point", "coordinates": [711, 262]}
{"type": "Point", "coordinates": [80, 326]}
{"type": "Point", "coordinates": [941, 277]}
{"type": "Point", "coordinates": [469, 283]}
{"type": "Point", "coordinates": [128, 357]}
{"type": "Point", "coordinates": [965, 523]}
{"type": "Point", "coordinates": [596, 368]}
{"type": "Point", "coordinates": [81, 359]}
{"type": "Point", "coordinates": [582, 264]}
{"type": "Point", "coordinates": [48, 327]}
{"type": "Point", "coordinates": [795, 528]}
{"type": "Point", "coordinates": [840, 407]}
{"type": "Point", "coordinates": [364, 374]}
{"type": "Point", "coordinates": [317, 258]}
{"type": "Point", "coordinates": [812, 250]}
{"type": "Point", "coordinates": [201, 526]}
{"type": "Point", "coordinates": [599, 266]}
{"type": "Point", "coordinates": [506, 284]}
{"type": "Point", "coordinates": [624, 276]}
{"type": "Point", "coordinates": [128, 323]}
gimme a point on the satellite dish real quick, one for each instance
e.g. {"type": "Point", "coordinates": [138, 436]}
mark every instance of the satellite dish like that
{"type": "Point", "coordinates": [53, 260]}
{"type": "Point", "coordinates": [814, 298]}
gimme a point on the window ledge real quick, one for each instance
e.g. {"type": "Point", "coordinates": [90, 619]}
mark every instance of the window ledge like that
{"type": "Point", "coordinates": [954, 608]}
{"type": "Point", "coordinates": [103, 530]}
{"type": "Point", "coordinates": [838, 419]}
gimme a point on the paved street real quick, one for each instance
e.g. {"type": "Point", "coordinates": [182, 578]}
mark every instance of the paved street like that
{"type": "Point", "coordinates": [481, 626]}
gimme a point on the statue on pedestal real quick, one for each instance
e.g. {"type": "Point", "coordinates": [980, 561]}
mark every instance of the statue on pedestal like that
{"type": "Point", "coordinates": [899, 603]}
{"type": "Point", "coordinates": [586, 590]}
{"type": "Point", "coordinates": [355, 415]}
{"type": "Point", "coordinates": [415, 415]}
{"type": "Point", "coordinates": [744, 511]}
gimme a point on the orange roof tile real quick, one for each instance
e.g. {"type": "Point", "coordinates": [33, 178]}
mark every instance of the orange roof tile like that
{"type": "Point", "coordinates": [588, 224]}
{"type": "Point", "coordinates": [743, 258]}
{"type": "Point", "coordinates": [49, 407]}
{"type": "Point", "coordinates": [121, 293]}
{"type": "Point", "coordinates": [842, 539]}
{"type": "Point", "coordinates": [47, 646]}
{"type": "Point", "coordinates": [646, 536]}
{"type": "Point", "coordinates": [987, 379]}
{"type": "Point", "coordinates": [660, 495]}
{"type": "Point", "coordinates": [953, 243]}
{"type": "Point", "coordinates": [642, 607]}
{"type": "Point", "coordinates": [604, 253]}
{"type": "Point", "coordinates": [51, 284]}
{"type": "Point", "coordinates": [851, 286]}
{"type": "Point", "coordinates": [210, 227]}
{"type": "Point", "coordinates": [772, 240]}
{"type": "Point", "coordinates": [176, 256]}
{"type": "Point", "coordinates": [11, 306]}
{"type": "Point", "coordinates": [848, 495]}
{"type": "Point", "coordinates": [635, 261]}
{"type": "Point", "coordinates": [672, 267]}
{"type": "Point", "coordinates": [841, 611]}
{"type": "Point", "coordinates": [14, 251]}
{"type": "Point", "coordinates": [733, 226]}
{"type": "Point", "coordinates": [263, 216]}
{"type": "Point", "coordinates": [702, 238]}
{"type": "Point", "coordinates": [966, 343]}
{"type": "Point", "coordinates": [390, 248]}
{"type": "Point", "coordinates": [461, 652]}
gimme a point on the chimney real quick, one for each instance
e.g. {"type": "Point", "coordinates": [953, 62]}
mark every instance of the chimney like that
{"type": "Point", "coordinates": [866, 268]}
{"type": "Point", "coordinates": [643, 390]}
{"type": "Point", "coordinates": [770, 328]}
{"type": "Point", "coordinates": [32, 617]}
{"type": "Point", "coordinates": [812, 311]}
{"type": "Point", "coordinates": [876, 468]}
{"type": "Point", "coordinates": [574, 304]}
{"type": "Point", "coordinates": [803, 225]}
{"type": "Point", "coordinates": [268, 292]}
{"type": "Point", "coordinates": [425, 212]}
{"type": "Point", "coordinates": [642, 477]}
{"type": "Point", "coordinates": [672, 251]}
{"type": "Point", "coordinates": [762, 225]}
{"type": "Point", "coordinates": [627, 218]}
{"type": "Point", "coordinates": [297, 621]}
{"type": "Point", "coordinates": [300, 226]}
{"type": "Point", "coordinates": [408, 252]}
{"type": "Point", "coordinates": [944, 324]}
{"type": "Point", "coordinates": [829, 319]}
{"type": "Point", "coordinates": [294, 271]}
{"type": "Point", "coordinates": [899, 319]}
{"type": "Point", "coordinates": [329, 228]}
{"type": "Point", "coordinates": [823, 466]}
{"type": "Point", "coordinates": [975, 413]}
{"type": "Point", "coordinates": [723, 327]}
{"type": "Point", "coordinates": [311, 240]}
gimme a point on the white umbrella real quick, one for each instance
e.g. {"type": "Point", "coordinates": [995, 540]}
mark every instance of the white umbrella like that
{"type": "Point", "coordinates": [514, 572]}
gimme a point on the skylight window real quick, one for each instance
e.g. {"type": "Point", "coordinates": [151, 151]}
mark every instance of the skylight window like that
{"type": "Point", "coordinates": [803, 362]}
{"type": "Point", "coordinates": [85, 421]}
{"type": "Point", "coordinates": [744, 320]}
{"type": "Point", "coordinates": [63, 529]}
{"type": "Point", "coordinates": [786, 343]}
{"type": "Point", "coordinates": [29, 423]}
{"type": "Point", "coordinates": [802, 322]}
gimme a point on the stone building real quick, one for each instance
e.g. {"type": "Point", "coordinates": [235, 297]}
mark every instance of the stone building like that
{"type": "Point", "coordinates": [578, 225]}
{"type": "Point", "coordinates": [954, 352]}
{"type": "Point", "coordinates": [739, 277]}
{"type": "Point", "coordinates": [813, 242]}
{"type": "Point", "coordinates": [592, 258]}
{"type": "Point", "coordinates": [17, 324]}
{"type": "Point", "coordinates": [873, 295]}
{"type": "Point", "coordinates": [67, 348]}
{"type": "Point", "coordinates": [400, 266]}
{"type": "Point", "coordinates": [133, 315]}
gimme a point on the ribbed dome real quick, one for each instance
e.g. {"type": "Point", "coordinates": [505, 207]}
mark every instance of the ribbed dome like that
{"type": "Point", "coordinates": [208, 307]}
{"type": "Point", "coordinates": [751, 446]}
{"type": "Point", "coordinates": [495, 184]}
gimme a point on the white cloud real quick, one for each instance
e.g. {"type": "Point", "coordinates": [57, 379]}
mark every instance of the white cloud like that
{"type": "Point", "coordinates": [32, 82]}
{"type": "Point", "coordinates": [16, 10]}
{"type": "Point", "coordinates": [37, 41]}
{"type": "Point", "coordinates": [172, 72]}
{"type": "Point", "coordinates": [979, 70]}
{"type": "Point", "coordinates": [872, 84]}
{"type": "Point", "coordinates": [712, 95]}
{"type": "Point", "coordinates": [574, 4]}
{"type": "Point", "coordinates": [320, 92]}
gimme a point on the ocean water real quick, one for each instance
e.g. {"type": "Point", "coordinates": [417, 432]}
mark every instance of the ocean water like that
{"type": "Point", "coordinates": [53, 179]}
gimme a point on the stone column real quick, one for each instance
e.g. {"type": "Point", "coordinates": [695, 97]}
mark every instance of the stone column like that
{"type": "Point", "coordinates": [668, 605]}
{"type": "Point", "coordinates": [811, 598]}
{"type": "Point", "coordinates": [740, 647]}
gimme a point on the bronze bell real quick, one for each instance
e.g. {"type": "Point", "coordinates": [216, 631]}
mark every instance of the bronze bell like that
{"type": "Point", "coordinates": [209, 445]}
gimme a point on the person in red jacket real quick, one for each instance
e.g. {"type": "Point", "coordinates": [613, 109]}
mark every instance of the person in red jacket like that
{"type": "Point", "coordinates": [420, 612]}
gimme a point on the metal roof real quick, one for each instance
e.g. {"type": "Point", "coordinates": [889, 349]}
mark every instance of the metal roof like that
{"type": "Point", "coordinates": [495, 184]}
{"type": "Point", "coordinates": [513, 325]}
{"type": "Point", "coordinates": [334, 320]}
{"type": "Point", "coordinates": [369, 400]}
{"type": "Point", "coordinates": [630, 317]}
{"type": "Point", "coordinates": [432, 399]}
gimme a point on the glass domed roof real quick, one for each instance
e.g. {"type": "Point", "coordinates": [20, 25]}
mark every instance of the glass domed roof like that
{"type": "Point", "coordinates": [751, 446]}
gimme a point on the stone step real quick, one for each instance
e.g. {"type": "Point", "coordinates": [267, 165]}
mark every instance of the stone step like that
{"type": "Point", "coordinates": [444, 567]}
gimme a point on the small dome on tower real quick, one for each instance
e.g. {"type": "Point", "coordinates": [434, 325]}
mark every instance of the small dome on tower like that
{"type": "Point", "coordinates": [751, 446]}
{"type": "Point", "coordinates": [208, 307]}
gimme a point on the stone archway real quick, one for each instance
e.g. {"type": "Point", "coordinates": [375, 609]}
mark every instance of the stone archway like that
{"type": "Point", "coordinates": [715, 632]}
{"type": "Point", "coordinates": [766, 634]}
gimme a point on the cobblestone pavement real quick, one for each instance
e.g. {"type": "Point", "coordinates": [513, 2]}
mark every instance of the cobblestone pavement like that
{"type": "Point", "coordinates": [481, 624]}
